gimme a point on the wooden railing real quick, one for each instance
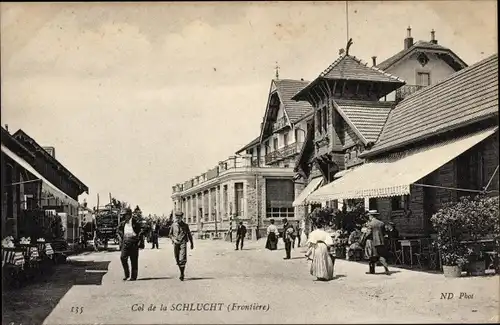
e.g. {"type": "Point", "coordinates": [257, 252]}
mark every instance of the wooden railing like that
{"type": "Point", "coordinates": [406, 91]}
{"type": "Point", "coordinates": [279, 124]}
{"type": "Point", "coordinates": [284, 152]}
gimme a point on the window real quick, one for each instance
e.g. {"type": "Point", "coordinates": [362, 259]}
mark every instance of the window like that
{"type": "Point", "coordinates": [238, 194]}
{"type": "Point", "coordinates": [372, 204]}
{"type": "Point", "coordinates": [279, 213]}
{"type": "Point", "coordinates": [250, 151]}
{"type": "Point", "coordinates": [320, 122]}
{"type": "Point", "coordinates": [224, 198]}
{"type": "Point", "coordinates": [275, 143]}
{"type": "Point", "coordinates": [325, 118]}
{"type": "Point", "coordinates": [423, 79]}
{"type": "Point", "coordinates": [400, 203]}
{"type": "Point", "coordinates": [285, 139]}
{"type": "Point", "coordinates": [296, 134]}
{"type": "Point", "coordinates": [266, 147]}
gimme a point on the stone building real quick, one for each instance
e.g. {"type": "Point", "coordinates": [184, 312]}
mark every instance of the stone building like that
{"type": "Point", "coordinates": [258, 183]}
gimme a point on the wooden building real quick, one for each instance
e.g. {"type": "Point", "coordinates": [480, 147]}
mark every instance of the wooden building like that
{"type": "Point", "coordinates": [438, 144]}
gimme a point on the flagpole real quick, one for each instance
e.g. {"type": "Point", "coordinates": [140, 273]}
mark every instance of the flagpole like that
{"type": "Point", "coordinates": [347, 18]}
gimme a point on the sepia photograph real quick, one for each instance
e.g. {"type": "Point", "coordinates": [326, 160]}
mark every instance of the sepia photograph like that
{"type": "Point", "coordinates": [239, 162]}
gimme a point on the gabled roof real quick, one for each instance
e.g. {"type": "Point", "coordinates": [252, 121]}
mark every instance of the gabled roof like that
{"type": "Point", "coordinates": [366, 118]}
{"type": "Point", "coordinates": [21, 133]}
{"type": "Point", "coordinates": [348, 67]}
{"type": "Point", "coordinates": [14, 145]}
{"type": "Point", "coordinates": [466, 97]}
{"type": "Point", "coordinates": [449, 57]}
{"type": "Point", "coordinates": [254, 142]}
{"type": "Point", "coordinates": [286, 88]}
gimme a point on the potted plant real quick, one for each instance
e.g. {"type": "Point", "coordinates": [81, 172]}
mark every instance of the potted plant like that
{"type": "Point", "coordinates": [460, 226]}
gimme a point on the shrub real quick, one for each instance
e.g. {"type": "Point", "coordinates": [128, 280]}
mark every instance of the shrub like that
{"type": "Point", "coordinates": [470, 219]}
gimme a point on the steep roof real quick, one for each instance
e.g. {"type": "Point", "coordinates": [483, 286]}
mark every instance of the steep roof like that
{"type": "Point", "coordinates": [351, 68]}
{"type": "Point", "coordinates": [366, 118]}
{"type": "Point", "coordinates": [451, 58]}
{"type": "Point", "coordinates": [22, 134]}
{"type": "Point", "coordinates": [252, 143]}
{"type": "Point", "coordinates": [348, 67]}
{"type": "Point", "coordinates": [287, 88]}
{"type": "Point", "coordinates": [465, 97]}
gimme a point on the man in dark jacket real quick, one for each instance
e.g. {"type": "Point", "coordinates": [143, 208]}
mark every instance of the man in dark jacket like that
{"type": "Point", "coordinates": [131, 232]}
{"type": "Point", "coordinates": [288, 231]}
{"type": "Point", "coordinates": [155, 234]}
{"type": "Point", "coordinates": [379, 250]}
{"type": "Point", "coordinates": [241, 232]}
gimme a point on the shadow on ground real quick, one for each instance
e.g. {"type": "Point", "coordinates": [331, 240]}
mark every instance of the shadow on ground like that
{"type": "Point", "coordinates": [32, 303]}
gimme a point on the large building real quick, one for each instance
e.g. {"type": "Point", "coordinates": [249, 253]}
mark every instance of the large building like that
{"type": "Point", "coordinates": [258, 183]}
{"type": "Point", "coordinates": [437, 145]}
{"type": "Point", "coordinates": [312, 134]}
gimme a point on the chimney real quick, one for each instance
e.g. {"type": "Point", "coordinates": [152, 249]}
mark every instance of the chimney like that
{"type": "Point", "coordinates": [433, 37]}
{"type": "Point", "coordinates": [301, 79]}
{"type": "Point", "coordinates": [7, 127]}
{"type": "Point", "coordinates": [374, 60]}
{"type": "Point", "coordinates": [408, 39]}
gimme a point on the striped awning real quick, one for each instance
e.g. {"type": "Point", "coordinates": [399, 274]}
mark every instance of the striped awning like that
{"type": "Point", "coordinates": [394, 175]}
{"type": "Point", "coordinates": [312, 186]}
{"type": "Point", "coordinates": [47, 187]}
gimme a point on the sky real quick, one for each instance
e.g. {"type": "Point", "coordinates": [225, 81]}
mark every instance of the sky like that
{"type": "Point", "coordinates": [138, 97]}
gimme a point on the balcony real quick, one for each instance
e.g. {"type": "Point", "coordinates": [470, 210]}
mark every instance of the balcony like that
{"type": "Point", "coordinates": [406, 91]}
{"type": "Point", "coordinates": [279, 124]}
{"type": "Point", "coordinates": [283, 153]}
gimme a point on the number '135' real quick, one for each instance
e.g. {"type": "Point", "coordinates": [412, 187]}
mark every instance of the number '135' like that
{"type": "Point", "coordinates": [77, 310]}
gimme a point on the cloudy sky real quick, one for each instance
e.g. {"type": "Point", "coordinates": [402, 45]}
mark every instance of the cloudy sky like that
{"type": "Point", "coordinates": [138, 97]}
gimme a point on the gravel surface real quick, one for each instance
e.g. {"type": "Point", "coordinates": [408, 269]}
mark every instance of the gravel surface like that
{"type": "Point", "coordinates": [267, 288]}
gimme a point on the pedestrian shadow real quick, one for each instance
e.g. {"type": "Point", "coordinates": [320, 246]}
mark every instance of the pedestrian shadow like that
{"type": "Point", "coordinates": [155, 278]}
{"type": "Point", "coordinates": [383, 273]}
{"type": "Point", "coordinates": [298, 258]}
{"type": "Point", "coordinates": [195, 279]}
{"type": "Point", "coordinates": [339, 276]}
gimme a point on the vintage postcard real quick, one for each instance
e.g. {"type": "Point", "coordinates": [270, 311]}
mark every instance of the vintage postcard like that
{"type": "Point", "coordinates": [250, 162]}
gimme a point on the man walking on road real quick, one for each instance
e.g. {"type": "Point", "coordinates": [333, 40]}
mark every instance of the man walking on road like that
{"type": "Point", "coordinates": [155, 234]}
{"type": "Point", "coordinates": [241, 232]}
{"type": "Point", "coordinates": [375, 246]}
{"type": "Point", "coordinates": [287, 238]}
{"type": "Point", "coordinates": [180, 235]}
{"type": "Point", "coordinates": [131, 231]}
{"type": "Point", "coordinates": [298, 233]}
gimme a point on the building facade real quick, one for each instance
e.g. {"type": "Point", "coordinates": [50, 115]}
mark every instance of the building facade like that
{"type": "Point", "coordinates": [437, 145]}
{"type": "Point", "coordinates": [35, 182]}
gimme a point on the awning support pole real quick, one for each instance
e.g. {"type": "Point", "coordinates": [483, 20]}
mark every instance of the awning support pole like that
{"type": "Point", "coordinates": [491, 179]}
{"type": "Point", "coordinates": [449, 188]}
{"type": "Point", "coordinates": [24, 182]}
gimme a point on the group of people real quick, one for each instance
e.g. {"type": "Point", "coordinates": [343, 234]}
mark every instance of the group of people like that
{"type": "Point", "coordinates": [132, 233]}
{"type": "Point", "coordinates": [290, 233]}
{"type": "Point", "coordinates": [371, 240]}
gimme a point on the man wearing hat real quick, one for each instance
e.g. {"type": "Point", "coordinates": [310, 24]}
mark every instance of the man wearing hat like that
{"type": "Point", "coordinates": [375, 246]}
{"type": "Point", "coordinates": [180, 235]}
{"type": "Point", "coordinates": [131, 232]}
{"type": "Point", "coordinates": [288, 231]}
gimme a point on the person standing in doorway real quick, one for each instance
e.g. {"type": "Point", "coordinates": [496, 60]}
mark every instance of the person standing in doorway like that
{"type": "Point", "coordinates": [180, 235]}
{"type": "Point", "coordinates": [131, 233]}
{"type": "Point", "coordinates": [288, 230]}
{"type": "Point", "coordinates": [241, 232]}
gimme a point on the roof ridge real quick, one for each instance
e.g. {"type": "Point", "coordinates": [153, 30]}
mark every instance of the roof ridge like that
{"type": "Point", "coordinates": [452, 77]}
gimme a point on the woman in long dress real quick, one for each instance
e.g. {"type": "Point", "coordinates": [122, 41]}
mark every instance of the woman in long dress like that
{"type": "Point", "coordinates": [319, 243]}
{"type": "Point", "coordinates": [272, 236]}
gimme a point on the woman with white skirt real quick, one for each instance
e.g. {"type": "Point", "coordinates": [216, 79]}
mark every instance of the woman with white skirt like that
{"type": "Point", "coordinates": [319, 244]}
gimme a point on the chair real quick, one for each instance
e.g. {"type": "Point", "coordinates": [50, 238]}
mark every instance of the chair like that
{"type": "Point", "coordinates": [396, 253]}
{"type": "Point", "coordinates": [426, 254]}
